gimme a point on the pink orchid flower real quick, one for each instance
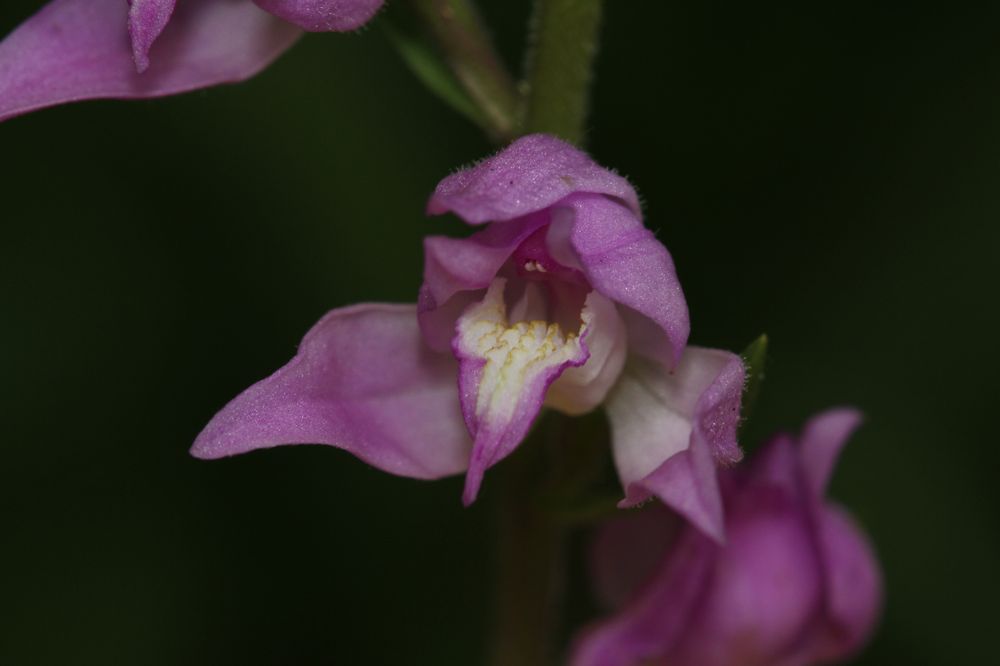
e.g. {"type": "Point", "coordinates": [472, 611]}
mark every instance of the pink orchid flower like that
{"type": "Point", "coordinates": [563, 299]}
{"type": "Point", "coordinates": [74, 50]}
{"type": "Point", "coordinates": [796, 584]}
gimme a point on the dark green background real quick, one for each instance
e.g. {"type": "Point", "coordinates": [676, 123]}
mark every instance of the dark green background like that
{"type": "Point", "coordinates": [825, 172]}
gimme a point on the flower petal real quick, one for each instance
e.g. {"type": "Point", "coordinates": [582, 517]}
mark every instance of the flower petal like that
{"type": "Point", "coordinates": [766, 586]}
{"type": "Point", "coordinates": [853, 586]}
{"type": "Point", "coordinates": [666, 427]}
{"type": "Point", "coordinates": [324, 15]}
{"type": "Point", "coordinates": [581, 389]}
{"type": "Point", "coordinates": [74, 50]}
{"type": "Point", "coordinates": [505, 369]}
{"type": "Point", "coordinates": [456, 265]}
{"type": "Point", "coordinates": [362, 381]}
{"type": "Point", "coordinates": [653, 623]}
{"type": "Point", "coordinates": [527, 176]}
{"type": "Point", "coordinates": [623, 260]}
{"type": "Point", "coordinates": [821, 442]}
{"type": "Point", "coordinates": [146, 20]}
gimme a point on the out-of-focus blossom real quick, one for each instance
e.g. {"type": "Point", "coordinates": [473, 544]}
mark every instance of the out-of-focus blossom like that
{"type": "Point", "coordinates": [796, 584]}
{"type": "Point", "coordinates": [73, 50]}
{"type": "Point", "coordinates": [563, 299]}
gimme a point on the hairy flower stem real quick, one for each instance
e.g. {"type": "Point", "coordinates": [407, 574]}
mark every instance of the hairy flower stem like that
{"type": "Point", "coordinates": [564, 38]}
{"type": "Point", "coordinates": [466, 45]}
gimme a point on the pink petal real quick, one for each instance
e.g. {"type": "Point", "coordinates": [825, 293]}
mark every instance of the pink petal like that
{"type": "Point", "coordinates": [455, 268]}
{"type": "Point", "coordinates": [658, 618]}
{"type": "Point", "coordinates": [527, 176]}
{"type": "Point", "coordinates": [146, 20]}
{"type": "Point", "coordinates": [362, 381]}
{"type": "Point", "coordinates": [822, 439]}
{"type": "Point", "coordinates": [624, 261]}
{"type": "Point", "coordinates": [74, 50]}
{"type": "Point", "coordinates": [666, 427]}
{"type": "Point", "coordinates": [765, 589]}
{"type": "Point", "coordinates": [853, 584]}
{"type": "Point", "coordinates": [324, 15]}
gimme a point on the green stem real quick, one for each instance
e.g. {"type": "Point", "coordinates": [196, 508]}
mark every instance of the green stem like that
{"type": "Point", "coordinates": [529, 555]}
{"type": "Point", "coordinates": [564, 41]}
{"type": "Point", "coordinates": [460, 33]}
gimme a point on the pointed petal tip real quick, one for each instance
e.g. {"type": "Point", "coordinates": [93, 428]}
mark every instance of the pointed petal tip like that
{"type": "Point", "coordinates": [362, 381]}
{"type": "Point", "coordinates": [821, 442]}
{"type": "Point", "coordinates": [473, 482]}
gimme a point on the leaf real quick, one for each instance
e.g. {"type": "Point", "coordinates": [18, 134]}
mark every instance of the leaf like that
{"type": "Point", "coordinates": [754, 359]}
{"type": "Point", "coordinates": [427, 65]}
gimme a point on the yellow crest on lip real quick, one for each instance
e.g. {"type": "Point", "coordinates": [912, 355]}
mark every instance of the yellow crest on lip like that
{"type": "Point", "coordinates": [516, 354]}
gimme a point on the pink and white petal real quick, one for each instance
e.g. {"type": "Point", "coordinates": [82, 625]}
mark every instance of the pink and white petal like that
{"type": "Point", "coordinates": [324, 15]}
{"type": "Point", "coordinates": [669, 428]}
{"type": "Point", "coordinates": [582, 388]}
{"type": "Point", "coordinates": [454, 267]}
{"type": "Point", "coordinates": [146, 21]}
{"type": "Point", "coordinates": [505, 369]}
{"type": "Point", "coordinates": [527, 176]}
{"type": "Point", "coordinates": [74, 50]}
{"type": "Point", "coordinates": [821, 442]}
{"type": "Point", "coordinates": [362, 381]}
{"type": "Point", "coordinates": [623, 260]}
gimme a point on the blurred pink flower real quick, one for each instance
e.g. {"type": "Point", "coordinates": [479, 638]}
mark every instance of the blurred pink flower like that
{"type": "Point", "coordinates": [796, 584]}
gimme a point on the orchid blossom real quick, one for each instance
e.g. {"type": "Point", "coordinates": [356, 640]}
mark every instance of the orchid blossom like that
{"type": "Point", "coordinates": [74, 50]}
{"type": "Point", "coordinates": [563, 299]}
{"type": "Point", "coordinates": [797, 583]}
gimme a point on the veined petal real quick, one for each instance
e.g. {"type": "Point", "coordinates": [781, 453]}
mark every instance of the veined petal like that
{"type": "Point", "coordinates": [623, 260]}
{"type": "Point", "coordinates": [455, 268]}
{"type": "Point", "coordinates": [527, 176]}
{"type": "Point", "coordinates": [667, 426]}
{"type": "Point", "coordinates": [146, 20]}
{"type": "Point", "coordinates": [362, 381]}
{"type": "Point", "coordinates": [324, 15]}
{"type": "Point", "coordinates": [505, 369]}
{"type": "Point", "coordinates": [74, 50]}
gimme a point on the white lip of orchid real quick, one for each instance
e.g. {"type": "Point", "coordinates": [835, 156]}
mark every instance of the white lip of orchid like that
{"type": "Point", "coordinates": [515, 355]}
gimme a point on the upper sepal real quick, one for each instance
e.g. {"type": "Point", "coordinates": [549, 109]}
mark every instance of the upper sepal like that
{"type": "Point", "coordinates": [529, 175]}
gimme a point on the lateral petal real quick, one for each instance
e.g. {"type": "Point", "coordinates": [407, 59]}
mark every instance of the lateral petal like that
{"type": "Point", "coordinates": [74, 50]}
{"type": "Point", "coordinates": [623, 260]}
{"type": "Point", "coordinates": [362, 381]}
{"type": "Point", "coordinates": [667, 426]}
